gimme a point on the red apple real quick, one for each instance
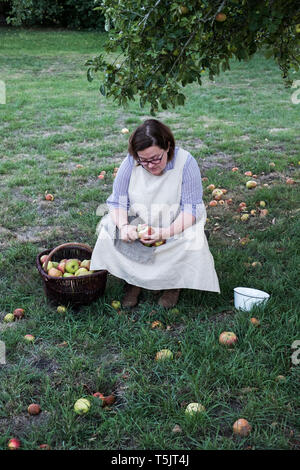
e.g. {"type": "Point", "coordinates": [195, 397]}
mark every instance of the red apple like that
{"type": "Point", "coordinates": [55, 272]}
{"type": "Point", "coordinates": [14, 444]}
{"type": "Point", "coordinates": [49, 197]}
{"type": "Point", "coordinates": [34, 409]}
{"type": "Point", "coordinates": [227, 338]}
{"type": "Point", "coordinates": [213, 203]}
{"type": "Point", "coordinates": [242, 427]}
{"type": "Point", "coordinates": [29, 338]}
{"type": "Point", "coordinates": [44, 447]}
{"type": "Point", "coordinates": [248, 173]}
{"type": "Point", "coordinates": [43, 259]}
{"type": "Point", "coordinates": [221, 17]}
{"type": "Point", "coordinates": [18, 313]}
{"type": "Point", "coordinates": [234, 169]}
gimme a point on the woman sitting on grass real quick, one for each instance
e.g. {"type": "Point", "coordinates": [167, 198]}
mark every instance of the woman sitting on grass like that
{"type": "Point", "coordinates": [160, 185]}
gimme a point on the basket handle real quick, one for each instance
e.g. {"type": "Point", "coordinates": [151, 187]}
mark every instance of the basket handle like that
{"type": "Point", "coordinates": [82, 245]}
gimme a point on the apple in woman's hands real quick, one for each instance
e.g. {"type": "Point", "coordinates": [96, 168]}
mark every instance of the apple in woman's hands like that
{"type": "Point", "coordinates": [155, 235]}
{"type": "Point", "coordinates": [128, 233]}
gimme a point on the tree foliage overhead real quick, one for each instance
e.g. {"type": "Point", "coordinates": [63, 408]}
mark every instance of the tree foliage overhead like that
{"type": "Point", "coordinates": [160, 46]}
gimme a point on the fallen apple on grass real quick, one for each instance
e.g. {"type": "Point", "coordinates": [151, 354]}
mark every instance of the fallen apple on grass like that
{"type": "Point", "coordinates": [251, 184]}
{"type": "Point", "coordinates": [227, 338]}
{"type": "Point", "coordinates": [245, 217]}
{"type": "Point", "coordinates": [116, 304]}
{"type": "Point", "coordinates": [213, 203]}
{"type": "Point", "coordinates": [211, 187]}
{"type": "Point", "coordinates": [29, 338]}
{"type": "Point", "coordinates": [49, 197]}
{"type": "Point", "coordinates": [157, 324]}
{"type": "Point", "coordinates": [82, 406]}
{"type": "Point", "coordinates": [9, 318]}
{"type": "Point", "coordinates": [194, 408]}
{"type": "Point", "coordinates": [163, 355]}
{"type": "Point", "coordinates": [234, 169]}
{"type": "Point", "coordinates": [61, 309]}
{"type": "Point", "coordinates": [255, 321]}
{"type": "Point", "coordinates": [241, 427]}
{"type": "Point", "coordinates": [14, 444]}
{"type": "Point", "coordinates": [19, 313]}
{"type": "Point", "coordinates": [34, 409]}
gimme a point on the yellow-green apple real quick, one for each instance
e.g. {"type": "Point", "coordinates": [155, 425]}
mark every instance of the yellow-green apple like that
{"type": "Point", "coordinates": [9, 318]}
{"type": "Point", "coordinates": [221, 17]}
{"type": "Point", "coordinates": [262, 203]}
{"type": "Point", "coordinates": [61, 309]}
{"type": "Point", "coordinates": [116, 304]}
{"type": "Point", "coordinates": [85, 264]}
{"type": "Point", "coordinates": [49, 265]}
{"type": "Point", "coordinates": [14, 444]}
{"type": "Point", "coordinates": [55, 264]}
{"type": "Point", "coordinates": [251, 184]}
{"type": "Point", "coordinates": [194, 408]}
{"type": "Point", "coordinates": [245, 217]}
{"type": "Point", "coordinates": [82, 272]}
{"type": "Point", "coordinates": [228, 338]}
{"type": "Point", "coordinates": [18, 313]}
{"type": "Point", "coordinates": [65, 274]}
{"type": "Point", "coordinates": [34, 409]}
{"type": "Point", "coordinates": [160, 242]}
{"type": "Point", "coordinates": [164, 354]}
{"type": "Point", "coordinates": [29, 338]}
{"type": "Point", "coordinates": [124, 130]}
{"type": "Point", "coordinates": [72, 266]}
{"type": "Point", "coordinates": [241, 427]}
{"type": "Point", "coordinates": [272, 165]}
{"type": "Point", "coordinates": [256, 264]}
{"type": "Point", "coordinates": [54, 272]}
{"type": "Point", "coordinates": [82, 406]}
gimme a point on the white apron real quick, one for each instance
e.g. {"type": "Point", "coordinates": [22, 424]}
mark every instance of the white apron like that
{"type": "Point", "coordinates": [184, 261]}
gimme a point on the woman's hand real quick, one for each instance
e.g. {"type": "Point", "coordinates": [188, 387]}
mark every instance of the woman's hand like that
{"type": "Point", "coordinates": [157, 234]}
{"type": "Point", "coordinates": [128, 233]}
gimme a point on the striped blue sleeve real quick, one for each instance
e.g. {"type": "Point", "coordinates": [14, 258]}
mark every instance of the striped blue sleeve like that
{"type": "Point", "coordinates": [191, 190]}
{"type": "Point", "coordinates": [119, 197]}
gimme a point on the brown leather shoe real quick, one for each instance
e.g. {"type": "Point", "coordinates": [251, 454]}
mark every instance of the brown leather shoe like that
{"type": "Point", "coordinates": [130, 298]}
{"type": "Point", "coordinates": [169, 298]}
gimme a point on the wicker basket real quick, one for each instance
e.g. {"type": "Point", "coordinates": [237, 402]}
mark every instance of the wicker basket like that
{"type": "Point", "coordinates": [75, 290]}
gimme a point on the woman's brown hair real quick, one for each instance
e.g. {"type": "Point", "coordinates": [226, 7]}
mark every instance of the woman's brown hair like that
{"type": "Point", "coordinates": [150, 133]}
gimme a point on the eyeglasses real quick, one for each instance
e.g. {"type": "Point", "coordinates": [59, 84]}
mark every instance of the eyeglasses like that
{"type": "Point", "coordinates": [154, 161]}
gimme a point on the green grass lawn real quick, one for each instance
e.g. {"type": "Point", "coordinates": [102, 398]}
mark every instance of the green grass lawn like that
{"type": "Point", "coordinates": [54, 120]}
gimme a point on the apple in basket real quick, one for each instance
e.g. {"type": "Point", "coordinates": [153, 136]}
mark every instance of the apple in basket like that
{"type": "Point", "coordinates": [55, 272]}
{"type": "Point", "coordinates": [72, 266]}
{"type": "Point", "coordinates": [82, 272]}
{"type": "Point", "coordinates": [86, 263]}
